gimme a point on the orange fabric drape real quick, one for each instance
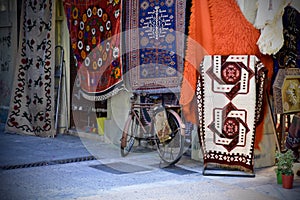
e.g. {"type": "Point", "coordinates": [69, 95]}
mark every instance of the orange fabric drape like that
{"type": "Point", "coordinates": [199, 44]}
{"type": "Point", "coordinates": [217, 27]}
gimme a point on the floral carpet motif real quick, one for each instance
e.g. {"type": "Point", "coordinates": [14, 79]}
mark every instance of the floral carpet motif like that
{"type": "Point", "coordinates": [32, 102]}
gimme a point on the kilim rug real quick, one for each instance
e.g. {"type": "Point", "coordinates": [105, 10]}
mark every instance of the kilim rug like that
{"type": "Point", "coordinates": [226, 94]}
{"type": "Point", "coordinates": [215, 25]}
{"type": "Point", "coordinates": [154, 44]}
{"type": "Point", "coordinates": [32, 101]}
{"type": "Point", "coordinates": [94, 28]}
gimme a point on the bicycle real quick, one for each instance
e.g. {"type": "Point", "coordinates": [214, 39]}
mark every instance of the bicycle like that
{"type": "Point", "coordinates": [156, 122]}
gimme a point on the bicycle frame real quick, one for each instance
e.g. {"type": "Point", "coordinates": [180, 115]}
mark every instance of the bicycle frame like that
{"type": "Point", "coordinates": [165, 128]}
{"type": "Point", "coordinates": [135, 106]}
{"type": "Point", "coordinates": [138, 106]}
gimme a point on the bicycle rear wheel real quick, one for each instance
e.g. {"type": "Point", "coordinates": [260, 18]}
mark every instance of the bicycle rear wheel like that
{"type": "Point", "coordinates": [128, 136]}
{"type": "Point", "coordinates": [171, 150]}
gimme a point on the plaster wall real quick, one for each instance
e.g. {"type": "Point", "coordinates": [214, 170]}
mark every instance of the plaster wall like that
{"type": "Point", "coordinates": [8, 50]}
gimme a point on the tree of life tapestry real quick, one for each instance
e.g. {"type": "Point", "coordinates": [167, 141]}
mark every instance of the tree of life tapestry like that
{"type": "Point", "coordinates": [32, 100]}
{"type": "Point", "coordinates": [154, 44]}
{"type": "Point", "coordinates": [227, 98]}
{"type": "Point", "coordinates": [94, 28]}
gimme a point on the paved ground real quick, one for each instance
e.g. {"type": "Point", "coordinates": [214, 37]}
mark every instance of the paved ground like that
{"type": "Point", "coordinates": [70, 167]}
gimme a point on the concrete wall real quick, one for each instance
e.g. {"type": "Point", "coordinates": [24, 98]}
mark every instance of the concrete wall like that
{"type": "Point", "coordinates": [118, 108]}
{"type": "Point", "coordinates": [266, 155]}
{"type": "Point", "coordinates": [8, 47]}
{"type": "Point", "coordinates": [62, 39]}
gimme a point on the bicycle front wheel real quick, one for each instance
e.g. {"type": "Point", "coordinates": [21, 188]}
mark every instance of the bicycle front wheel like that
{"type": "Point", "coordinates": [128, 136]}
{"type": "Point", "coordinates": [171, 150]}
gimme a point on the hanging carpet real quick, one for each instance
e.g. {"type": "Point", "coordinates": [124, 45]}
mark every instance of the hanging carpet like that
{"type": "Point", "coordinates": [226, 95]}
{"type": "Point", "coordinates": [154, 44]}
{"type": "Point", "coordinates": [32, 102]}
{"type": "Point", "coordinates": [218, 27]}
{"type": "Point", "coordinates": [288, 55]}
{"type": "Point", "coordinates": [94, 28]}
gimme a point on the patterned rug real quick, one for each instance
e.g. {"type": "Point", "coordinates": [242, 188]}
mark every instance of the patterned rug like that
{"type": "Point", "coordinates": [288, 55]}
{"type": "Point", "coordinates": [94, 28]}
{"type": "Point", "coordinates": [32, 101]}
{"type": "Point", "coordinates": [155, 47]}
{"type": "Point", "coordinates": [226, 94]}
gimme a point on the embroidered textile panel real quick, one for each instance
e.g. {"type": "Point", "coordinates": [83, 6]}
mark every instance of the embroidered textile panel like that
{"type": "Point", "coordinates": [226, 94]}
{"type": "Point", "coordinates": [288, 55]}
{"type": "Point", "coordinates": [287, 65]}
{"type": "Point", "coordinates": [32, 101]}
{"type": "Point", "coordinates": [293, 138]}
{"type": "Point", "coordinates": [286, 91]}
{"type": "Point", "coordinates": [94, 28]}
{"type": "Point", "coordinates": [154, 44]}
